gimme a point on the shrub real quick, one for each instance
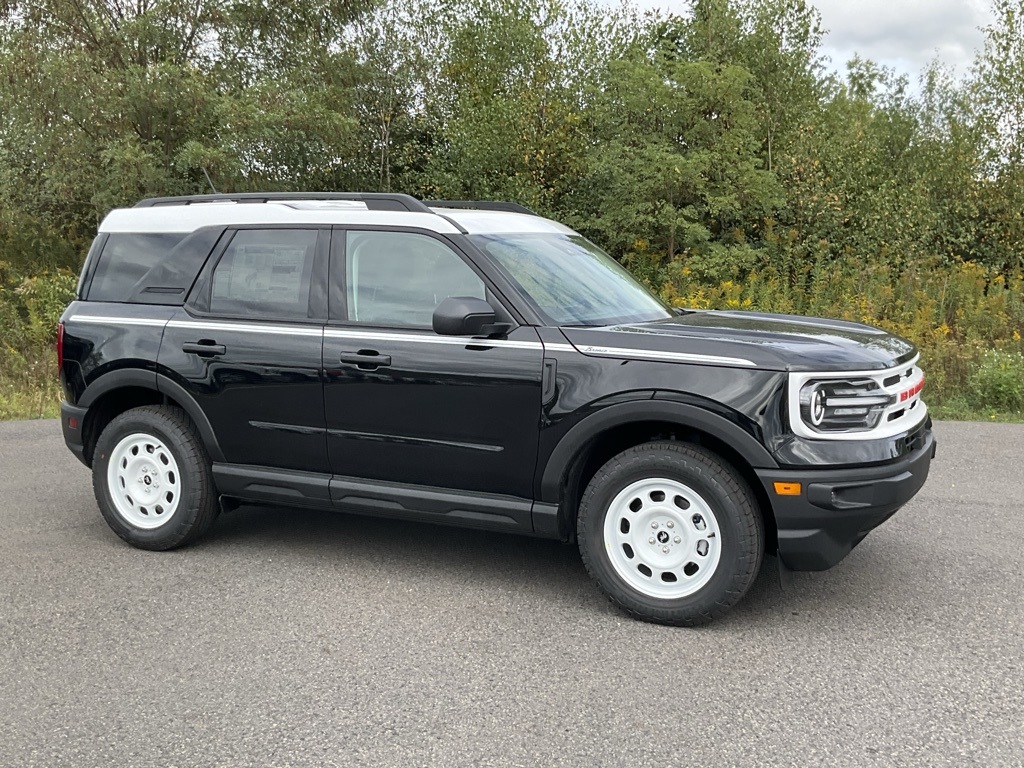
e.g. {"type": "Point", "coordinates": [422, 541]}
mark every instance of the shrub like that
{"type": "Point", "coordinates": [998, 382]}
{"type": "Point", "coordinates": [955, 313]}
{"type": "Point", "coordinates": [29, 311]}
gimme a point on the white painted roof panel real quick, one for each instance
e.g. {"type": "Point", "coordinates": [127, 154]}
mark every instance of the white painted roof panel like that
{"type": "Point", "coordinates": [188, 218]}
{"type": "Point", "coordinates": [502, 222]}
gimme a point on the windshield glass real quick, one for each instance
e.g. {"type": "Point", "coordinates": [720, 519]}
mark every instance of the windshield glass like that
{"type": "Point", "coordinates": [570, 281]}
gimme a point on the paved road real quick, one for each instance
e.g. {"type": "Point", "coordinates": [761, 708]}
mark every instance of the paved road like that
{"type": "Point", "coordinates": [294, 638]}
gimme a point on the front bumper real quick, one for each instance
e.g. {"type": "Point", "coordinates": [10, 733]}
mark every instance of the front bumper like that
{"type": "Point", "coordinates": [839, 507]}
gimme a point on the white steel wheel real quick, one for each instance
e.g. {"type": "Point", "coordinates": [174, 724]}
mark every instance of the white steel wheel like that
{"type": "Point", "coordinates": [143, 481]}
{"type": "Point", "coordinates": [662, 538]}
{"type": "Point", "coordinates": [670, 532]}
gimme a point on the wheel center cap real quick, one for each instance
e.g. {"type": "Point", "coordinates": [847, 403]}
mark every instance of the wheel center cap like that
{"type": "Point", "coordinates": [147, 480]}
{"type": "Point", "coordinates": [663, 537]}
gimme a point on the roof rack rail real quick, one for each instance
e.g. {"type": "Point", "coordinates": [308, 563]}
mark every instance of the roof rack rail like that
{"type": "Point", "coordinates": [374, 201]}
{"type": "Point", "coordinates": [481, 205]}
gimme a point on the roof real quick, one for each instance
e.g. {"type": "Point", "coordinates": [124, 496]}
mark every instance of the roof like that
{"type": "Point", "coordinates": [189, 215]}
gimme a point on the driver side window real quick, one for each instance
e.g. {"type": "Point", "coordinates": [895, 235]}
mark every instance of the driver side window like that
{"type": "Point", "coordinates": [397, 279]}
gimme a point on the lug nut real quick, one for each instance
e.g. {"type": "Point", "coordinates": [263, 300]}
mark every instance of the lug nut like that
{"type": "Point", "coordinates": [665, 550]}
{"type": "Point", "coordinates": [650, 540]}
{"type": "Point", "coordinates": [654, 525]}
{"type": "Point", "coordinates": [670, 524]}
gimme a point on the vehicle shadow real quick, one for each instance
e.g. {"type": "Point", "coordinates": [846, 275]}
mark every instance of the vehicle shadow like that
{"type": "Point", "coordinates": [538, 569]}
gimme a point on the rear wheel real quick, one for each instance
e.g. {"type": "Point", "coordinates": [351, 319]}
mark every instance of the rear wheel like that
{"type": "Point", "coordinates": [671, 533]}
{"type": "Point", "coordinates": [151, 477]}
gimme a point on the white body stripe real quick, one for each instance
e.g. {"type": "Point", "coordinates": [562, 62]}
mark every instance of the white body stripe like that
{"type": "Point", "coordinates": [657, 355]}
{"type": "Point", "coordinates": [414, 338]}
{"type": "Point", "coordinates": [282, 330]}
{"type": "Point", "coordinates": [105, 320]}
{"type": "Point", "coordinates": [559, 347]}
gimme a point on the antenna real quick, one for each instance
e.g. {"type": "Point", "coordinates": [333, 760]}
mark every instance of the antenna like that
{"type": "Point", "coordinates": [208, 181]}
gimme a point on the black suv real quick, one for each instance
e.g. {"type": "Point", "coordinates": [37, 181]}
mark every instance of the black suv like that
{"type": "Point", "coordinates": [478, 365]}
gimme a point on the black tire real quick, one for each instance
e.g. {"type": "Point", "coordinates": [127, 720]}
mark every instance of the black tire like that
{"type": "Point", "coordinates": [727, 496]}
{"type": "Point", "coordinates": [197, 503]}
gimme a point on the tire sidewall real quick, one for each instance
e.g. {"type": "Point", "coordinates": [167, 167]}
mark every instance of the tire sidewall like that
{"type": "Point", "coordinates": [727, 510]}
{"type": "Point", "coordinates": [186, 511]}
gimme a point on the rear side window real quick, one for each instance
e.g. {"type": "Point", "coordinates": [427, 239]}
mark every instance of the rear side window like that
{"type": "Point", "coordinates": [125, 260]}
{"type": "Point", "coordinates": [265, 273]}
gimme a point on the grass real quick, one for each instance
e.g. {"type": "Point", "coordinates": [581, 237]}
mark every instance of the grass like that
{"type": "Point", "coordinates": [958, 410]}
{"type": "Point", "coordinates": [17, 401]}
{"type": "Point", "coordinates": [29, 389]}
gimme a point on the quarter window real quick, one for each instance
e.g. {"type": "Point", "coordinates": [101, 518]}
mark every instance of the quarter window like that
{"type": "Point", "coordinates": [125, 259]}
{"type": "Point", "coordinates": [265, 273]}
{"type": "Point", "coordinates": [397, 279]}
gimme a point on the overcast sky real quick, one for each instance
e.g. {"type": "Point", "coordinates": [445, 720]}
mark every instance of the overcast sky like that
{"type": "Point", "coordinates": [903, 34]}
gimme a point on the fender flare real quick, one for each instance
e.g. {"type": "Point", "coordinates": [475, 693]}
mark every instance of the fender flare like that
{"type": "Point", "coordinates": [116, 379]}
{"type": "Point", "coordinates": [158, 382]}
{"type": "Point", "coordinates": [683, 414]}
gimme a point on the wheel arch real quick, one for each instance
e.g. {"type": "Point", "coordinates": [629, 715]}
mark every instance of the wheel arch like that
{"type": "Point", "coordinates": [115, 392]}
{"type": "Point", "coordinates": [601, 435]}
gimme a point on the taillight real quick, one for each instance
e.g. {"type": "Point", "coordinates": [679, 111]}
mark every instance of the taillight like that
{"type": "Point", "coordinates": [60, 347]}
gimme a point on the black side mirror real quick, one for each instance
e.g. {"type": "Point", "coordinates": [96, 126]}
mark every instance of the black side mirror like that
{"type": "Point", "coordinates": [464, 316]}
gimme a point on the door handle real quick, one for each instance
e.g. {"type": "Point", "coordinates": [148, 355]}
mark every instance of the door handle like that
{"type": "Point", "coordinates": [366, 359]}
{"type": "Point", "coordinates": [203, 348]}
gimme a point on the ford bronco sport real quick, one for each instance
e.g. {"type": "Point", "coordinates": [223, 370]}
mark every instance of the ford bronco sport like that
{"type": "Point", "coordinates": [474, 364]}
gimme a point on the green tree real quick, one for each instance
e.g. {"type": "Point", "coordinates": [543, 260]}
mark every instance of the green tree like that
{"type": "Point", "coordinates": [996, 91]}
{"type": "Point", "coordinates": [107, 101]}
{"type": "Point", "coordinates": [505, 115]}
{"type": "Point", "coordinates": [675, 173]}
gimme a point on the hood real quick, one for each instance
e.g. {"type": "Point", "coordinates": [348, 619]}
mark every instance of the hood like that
{"type": "Point", "coordinates": [750, 339]}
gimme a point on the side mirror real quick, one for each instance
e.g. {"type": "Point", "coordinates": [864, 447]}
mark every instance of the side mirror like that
{"type": "Point", "coordinates": [464, 316]}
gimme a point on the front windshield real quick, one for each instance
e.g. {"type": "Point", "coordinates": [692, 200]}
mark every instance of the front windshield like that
{"type": "Point", "coordinates": [570, 281]}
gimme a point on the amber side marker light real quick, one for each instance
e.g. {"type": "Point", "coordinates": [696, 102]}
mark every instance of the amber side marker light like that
{"type": "Point", "coordinates": [788, 489]}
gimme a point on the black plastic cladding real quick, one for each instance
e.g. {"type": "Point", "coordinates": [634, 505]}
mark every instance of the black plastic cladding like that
{"type": "Point", "coordinates": [468, 434]}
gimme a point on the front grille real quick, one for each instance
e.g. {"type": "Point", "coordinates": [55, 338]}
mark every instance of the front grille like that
{"type": "Point", "coordinates": [901, 387]}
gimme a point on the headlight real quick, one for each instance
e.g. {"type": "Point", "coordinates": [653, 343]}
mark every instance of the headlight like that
{"type": "Point", "coordinates": [843, 405]}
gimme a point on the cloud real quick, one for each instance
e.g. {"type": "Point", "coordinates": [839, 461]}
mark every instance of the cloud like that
{"type": "Point", "coordinates": [904, 34]}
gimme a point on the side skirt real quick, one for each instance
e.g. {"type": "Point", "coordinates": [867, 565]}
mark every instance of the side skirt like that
{"type": "Point", "coordinates": [379, 498]}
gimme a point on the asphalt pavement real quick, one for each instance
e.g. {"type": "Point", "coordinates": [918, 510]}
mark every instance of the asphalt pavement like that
{"type": "Point", "coordinates": [300, 638]}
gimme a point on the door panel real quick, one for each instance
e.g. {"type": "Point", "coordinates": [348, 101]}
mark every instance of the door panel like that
{"type": "Point", "coordinates": [258, 380]}
{"type": "Point", "coordinates": [263, 394]}
{"type": "Point", "coordinates": [406, 405]}
{"type": "Point", "coordinates": [446, 412]}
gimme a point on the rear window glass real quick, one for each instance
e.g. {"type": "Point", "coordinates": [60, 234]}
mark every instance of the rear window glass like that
{"type": "Point", "coordinates": [126, 258]}
{"type": "Point", "coordinates": [265, 273]}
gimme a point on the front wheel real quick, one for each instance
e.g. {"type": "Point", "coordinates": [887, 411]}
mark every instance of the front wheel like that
{"type": "Point", "coordinates": [671, 533]}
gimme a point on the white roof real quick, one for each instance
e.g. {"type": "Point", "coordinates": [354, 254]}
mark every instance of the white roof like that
{"type": "Point", "coordinates": [188, 218]}
{"type": "Point", "coordinates": [501, 222]}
